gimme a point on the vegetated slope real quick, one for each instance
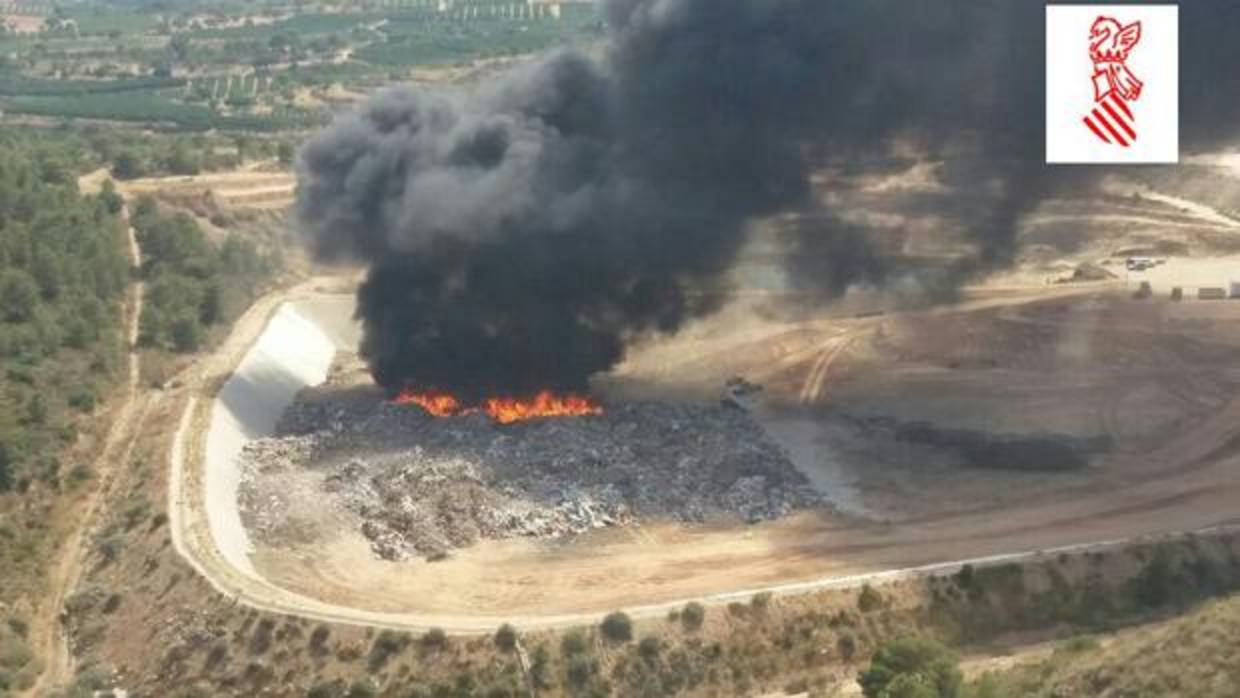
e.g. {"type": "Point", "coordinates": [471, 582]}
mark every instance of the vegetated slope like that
{"type": "Point", "coordinates": [1197, 654]}
{"type": "Point", "coordinates": [62, 273]}
{"type": "Point", "coordinates": [194, 284]}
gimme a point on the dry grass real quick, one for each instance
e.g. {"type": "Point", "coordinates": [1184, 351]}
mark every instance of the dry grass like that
{"type": "Point", "coordinates": [1197, 654]}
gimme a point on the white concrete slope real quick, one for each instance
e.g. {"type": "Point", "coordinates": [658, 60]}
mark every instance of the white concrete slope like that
{"type": "Point", "coordinates": [295, 350]}
{"type": "Point", "coordinates": [291, 353]}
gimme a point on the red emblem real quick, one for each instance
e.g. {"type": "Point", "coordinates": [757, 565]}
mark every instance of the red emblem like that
{"type": "Point", "coordinates": [1115, 85]}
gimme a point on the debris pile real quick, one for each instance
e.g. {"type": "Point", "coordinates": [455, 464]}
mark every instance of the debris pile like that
{"type": "Point", "coordinates": [420, 486]}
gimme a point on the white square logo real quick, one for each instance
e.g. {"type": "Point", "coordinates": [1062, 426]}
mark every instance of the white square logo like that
{"type": "Point", "coordinates": [1112, 84]}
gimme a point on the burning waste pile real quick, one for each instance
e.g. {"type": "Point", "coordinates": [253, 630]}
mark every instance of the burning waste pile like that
{"type": "Point", "coordinates": [419, 485]}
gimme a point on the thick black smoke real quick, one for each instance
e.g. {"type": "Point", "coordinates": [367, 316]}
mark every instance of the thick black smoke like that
{"type": "Point", "coordinates": [519, 235]}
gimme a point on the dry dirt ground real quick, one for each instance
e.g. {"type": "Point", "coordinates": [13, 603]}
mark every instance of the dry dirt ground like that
{"type": "Point", "coordinates": [259, 185]}
{"type": "Point", "coordinates": [865, 394]}
{"type": "Point", "coordinates": [1155, 379]}
{"type": "Point", "coordinates": [46, 629]}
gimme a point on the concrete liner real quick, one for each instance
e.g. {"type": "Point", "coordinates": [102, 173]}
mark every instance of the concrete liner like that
{"type": "Point", "coordinates": [292, 353]}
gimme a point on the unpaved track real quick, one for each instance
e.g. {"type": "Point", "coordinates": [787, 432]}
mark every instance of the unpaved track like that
{"type": "Point", "coordinates": [811, 389]}
{"type": "Point", "coordinates": [47, 630]}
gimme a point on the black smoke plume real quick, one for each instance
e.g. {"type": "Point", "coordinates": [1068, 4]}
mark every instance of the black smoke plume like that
{"type": "Point", "coordinates": [518, 235]}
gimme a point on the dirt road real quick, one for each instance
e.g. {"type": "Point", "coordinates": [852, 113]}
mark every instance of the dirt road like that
{"type": "Point", "coordinates": [47, 631]}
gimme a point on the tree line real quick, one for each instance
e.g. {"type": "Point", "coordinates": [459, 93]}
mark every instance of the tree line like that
{"type": "Point", "coordinates": [63, 271]}
{"type": "Point", "coordinates": [193, 285]}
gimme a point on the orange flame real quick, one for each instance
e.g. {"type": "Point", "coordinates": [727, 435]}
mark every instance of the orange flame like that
{"type": "Point", "coordinates": [504, 410]}
{"type": "Point", "coordinates": [437, 403]}
{"type": "Point", "coordinates": [545, 404]}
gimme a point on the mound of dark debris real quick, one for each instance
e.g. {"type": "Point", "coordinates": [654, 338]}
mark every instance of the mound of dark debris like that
{"type": "Point", "coordinates": [420, 486]}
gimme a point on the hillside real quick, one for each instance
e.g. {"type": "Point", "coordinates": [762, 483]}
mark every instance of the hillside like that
{"type": "Point", "coordinates": [1196, 654]}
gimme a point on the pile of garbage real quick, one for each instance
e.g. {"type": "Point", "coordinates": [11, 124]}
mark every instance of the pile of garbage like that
{"type": "Point", "coordinates": [421, 486]}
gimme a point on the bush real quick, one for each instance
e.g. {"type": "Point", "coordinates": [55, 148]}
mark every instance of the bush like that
{"type": "Point", "coordinates": [1156, 584]}
{"type": "Point", "coordinates": [388, 643]}
{"type": "Point", "coordinates": [19, 626]}
{"type": "Point", "coordinates": [80, 473]}
{"type": "Point", "coordinates": [110, 547]}
{"type": "Point", "coordinates": [692, 616]}
{"type": "Point", "coordinates": [617, 627]}
{"type": "Point", "coordinates": [260, 640]}
{"type": "Point", "coordinates": [18, 295]}
{"type": "Point", "coordinates": [869, 600]}
{"type": "Point", "coordinates": [965, 577]}
{"type": "Point", "coordinates": [574, 643]}
{"type": "Point", "coordinates": [112, 603]}
{"type": "Point", "coordinates": [911, 665]}
{"type": "Point", "coordinates": [847, 646]}
{"type": "Point", "coordinates": [580, 670]}
{"type": "Point", "coordinates": [761, 601]}
{"type": "Point", "coordinates": [435, 638]}
{"type": "Point", "coordinates": [649, 648]}
{"type": "Point", "coordinates": [158, 520]}
{"type": "Point", "coordinates": [318, 639]}
{"type": "Point", "coordinates": [540, 661]}
{"type": "Point", "coordinates": [82, 398]}
{"type": "Point", "coordinates": [186, 332]}
{"type": "Point", "coordinates": [506, 638]}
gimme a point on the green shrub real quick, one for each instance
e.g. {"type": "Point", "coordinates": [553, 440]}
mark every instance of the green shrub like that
{"type": "Point", "coordinates": [1156, 584]}
{"type": "Point", "coordinates": [692, 616]}
{"type": "Point", "coordinates": [260, 640]}
{"type": "Point", "coordinates": [19, 626]}
{"type": "Point", "coordinates": [574, 642]}
{"type": "Point", "coordinates": [318, 639]}
{"type": "Point", "coordinates": [869, 600]}
{"type": "Point", "coordinates": [910, 664]}
{"type": "Point", "coordinates": [186, 332]}
{"type": "Point", "coordinates": [388, 643]}
{"type": "Point", "coordinates": [965, 577]}
{"type": "Point", "coordinates": [506, 638]}
{"type": "Point", "coordinates": [80, 473]}
{"type": "Point", "coordinates": [847, 646]}
{"type": "Point", "coordinates": [540, 663]}
{"type": "Point", "coordinates": [580, 670]}
{"type": "Point", "coordinates": [649, 648]}
{"type": "Point", "coordinates": [82, 398]}
{"type": "Point", "coordinates": [435, 638]}
{"type": "Point", "coordinates": [617, 627]}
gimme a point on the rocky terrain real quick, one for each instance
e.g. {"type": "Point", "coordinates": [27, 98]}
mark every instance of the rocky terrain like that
{"type": "Point", "coordinates": [420, 486]}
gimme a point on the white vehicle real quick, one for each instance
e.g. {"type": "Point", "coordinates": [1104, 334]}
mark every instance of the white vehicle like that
{"type": "Point", "coordinates": [1139, 263]}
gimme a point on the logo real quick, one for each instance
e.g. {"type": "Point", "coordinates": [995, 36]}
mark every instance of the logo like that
{"type": "Point", "coordinates": [1121, 62]}
{"type": "Point", "coordinates": [1115, 85]}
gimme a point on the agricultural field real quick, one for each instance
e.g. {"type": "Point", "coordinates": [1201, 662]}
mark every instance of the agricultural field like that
{"type": "Point", "coordinates": [260, 67]}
